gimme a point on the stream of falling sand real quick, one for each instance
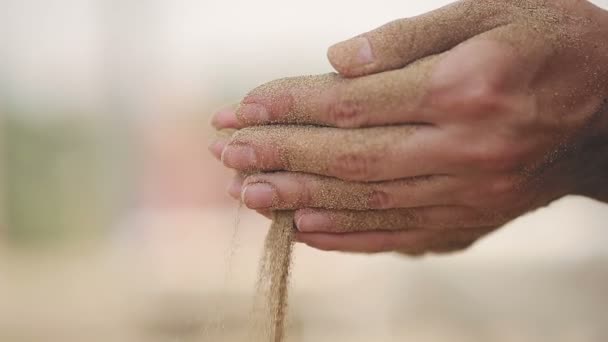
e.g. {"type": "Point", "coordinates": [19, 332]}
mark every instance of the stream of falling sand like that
{"type": "Point", "coordinates": [270, 302]}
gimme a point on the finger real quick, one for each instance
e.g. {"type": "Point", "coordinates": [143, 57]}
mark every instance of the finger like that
{"type": "Point", "coordinates": [226, 118]}
{"type": "Point", "coordinates": [217, 146]}
{"type": "Point", "coordinates": [288, 190]}
{"type": "Point", "coordinates": [388, 98]}
{"type": "Point", "coordinates": [427, 218]}
{"type": "Point", "coordinates": [234, 190]}
{"type": "Point", "coordinates": [219, 143]}
{"type": "Point", "coordinates": [349, 154]}
{"type": "Point", "coordinates": [403, 41]}
{"type": "Point", "coordinates": [368, 242]}
{"type": "Point", "coordinates": [417, 242]}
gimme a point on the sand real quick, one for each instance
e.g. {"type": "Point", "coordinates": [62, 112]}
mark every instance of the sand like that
{"type": "Point", "coordinates": [307, 99]}
{"type": "Point", "coordinates": [270, 311]}
{"type": "Point", "coordinates": [348, 153]}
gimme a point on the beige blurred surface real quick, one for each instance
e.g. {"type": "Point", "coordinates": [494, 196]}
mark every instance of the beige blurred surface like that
{"type": "Point", "coordinates": [170, 281]}
{"type": "Point", "coordinates": [117, 228]}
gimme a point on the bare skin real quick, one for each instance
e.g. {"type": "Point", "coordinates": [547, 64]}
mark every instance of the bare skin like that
{"type": "Point", "coordinates": [476, 127]}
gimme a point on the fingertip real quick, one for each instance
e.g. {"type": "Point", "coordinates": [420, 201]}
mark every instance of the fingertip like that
{"type": "Point", "coordinates": [351, 57]}
{"type": "Point", "coordinates": [252, 113]}
{"type": "Point", "coordinates": [309, 220]}
{"type": "Point", "coordinates": [297, 217]}
{"type": "Point", "coordinates": [259, 195]}
{"type": "Point", "coordinates": [225, 118]}
{"type": "Point", "coordinates": [217, 147]}
{"type": "Point", "coordinates": [239, 157]}
{"type": "Point", "coordinates": [269, 103]}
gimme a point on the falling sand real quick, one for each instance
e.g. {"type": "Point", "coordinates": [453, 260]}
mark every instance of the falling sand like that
{"type": "Point", "coordinates": [270, 308]}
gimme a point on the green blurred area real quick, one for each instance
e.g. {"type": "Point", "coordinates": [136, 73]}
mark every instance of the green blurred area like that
{"type": "Point", "coordinates": [56, 184]}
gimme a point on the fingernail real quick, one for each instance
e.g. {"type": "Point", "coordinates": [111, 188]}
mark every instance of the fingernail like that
{"type": "Point", "coordinates": [312, 222]}
{"type": "Point", "coordinates": [239, 157]}
{"type": "Point", "coordinates": [258, 196]}
{"type": "Point", "coordinates": [216, 148]}
{"type": "Point", "coordinates": [253, 113]}
{"type": "Point", "coordinates": [354, 52]}
{"type": "Point", "coordinates": [234, 189]}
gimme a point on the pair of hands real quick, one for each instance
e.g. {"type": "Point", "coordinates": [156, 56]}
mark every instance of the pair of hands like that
{"type": "Point", "coordinates": [437, 130]}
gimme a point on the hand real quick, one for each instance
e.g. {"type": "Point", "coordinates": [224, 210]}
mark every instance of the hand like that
{"type": "Point", "coordinates": [439, 130]}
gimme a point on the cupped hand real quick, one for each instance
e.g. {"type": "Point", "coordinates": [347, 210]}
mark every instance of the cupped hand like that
{"type": "Point", "coordinates": [438, 130]}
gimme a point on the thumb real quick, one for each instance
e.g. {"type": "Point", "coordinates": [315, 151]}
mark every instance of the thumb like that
{"type": "Point", "coordinates": [403, 41]}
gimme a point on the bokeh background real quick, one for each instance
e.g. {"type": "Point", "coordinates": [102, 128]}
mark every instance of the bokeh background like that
{"type": "Point", "coordinates": [114, 225]}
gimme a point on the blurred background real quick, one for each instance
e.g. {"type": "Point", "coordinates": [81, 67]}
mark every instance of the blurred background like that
{"type": "Point", "coordinates": [114, 225]}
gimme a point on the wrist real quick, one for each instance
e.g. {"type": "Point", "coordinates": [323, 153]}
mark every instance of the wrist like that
{"type": "Point", "coordinates": [592, 164]}
{"type": "Point", "coordinates": [593, 179]}
{"type": "Point", "coordinates": [603, 185]}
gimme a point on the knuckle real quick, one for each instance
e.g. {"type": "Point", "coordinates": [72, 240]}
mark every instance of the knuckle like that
{"type": "Point", "coordinates": [381, 199]}
{"type": "Point", "coordinates": [501, 157]}
{"type": "Point", "coordinates": [411, 218]}
{"type": "Point", "coordinates": [498, 196]}
{"type": "Point", "coordinates": [481, 95]}
{"type": "Point", "coordinates": [502, 185]}
{"type": "Point", "coordinates": [481, 156]}
{"type": "Point", "coordinates": [303, 190]}
{"type": "Point", "coordinates": [355, 166]}
{"type": "Point", "coordinates": [494, 194]}
{"type": "Point", "coordinates": [346, 113]}
{"type": "Point", "coordinates": [305, 198]}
